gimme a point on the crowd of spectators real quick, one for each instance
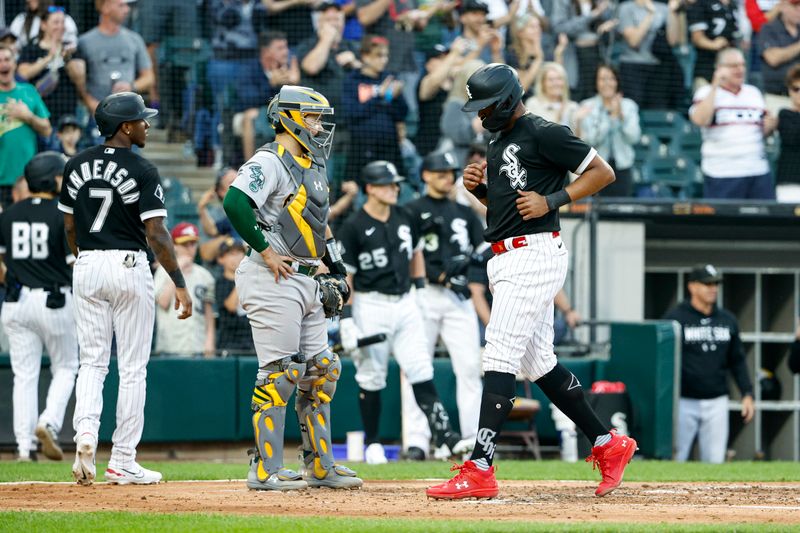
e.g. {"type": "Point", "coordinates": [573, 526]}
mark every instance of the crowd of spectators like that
{"type": "Point", "coordinates": [396, 71]}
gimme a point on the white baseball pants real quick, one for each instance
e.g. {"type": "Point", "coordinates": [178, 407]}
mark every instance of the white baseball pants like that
{"type": "Point", "coordinates": [400, 319]}
{"type": "Point", "coordinates": [111, 298]}
{"type": "Point", "coordinates": [30, 326]}
{"type": "Point", "coordinates": [524, 281]}
{"type": "Point", "coordinates": [457, 323]}
{"type": "Point", "coordinates": [708, 421]}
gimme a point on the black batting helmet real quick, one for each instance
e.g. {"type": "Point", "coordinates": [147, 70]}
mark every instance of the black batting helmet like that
{"type": "Point", "coordinates": [439, 161]}
{"type": "Point", "coordinates": [380, 173]}
{"type": "Point", "coordinates": [41, 171]}
{"type": "Point", "coordinates": [494, 84]}
{"type": "Point", "coordinates": [118, 108]}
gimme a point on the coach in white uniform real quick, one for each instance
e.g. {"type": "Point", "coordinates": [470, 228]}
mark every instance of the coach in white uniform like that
{"type": "Point", "coordinates": [734, 121]}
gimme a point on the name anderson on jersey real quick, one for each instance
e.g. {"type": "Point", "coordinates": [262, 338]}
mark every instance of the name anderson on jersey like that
{"type": "Point", "coordinates": [113, 174]}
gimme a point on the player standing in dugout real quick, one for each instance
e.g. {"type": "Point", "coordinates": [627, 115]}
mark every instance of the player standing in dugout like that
{"type": "Point", "coordinates": [522, 186]}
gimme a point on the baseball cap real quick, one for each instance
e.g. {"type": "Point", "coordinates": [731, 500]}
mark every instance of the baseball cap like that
{"type": "Point", "coordinates": [6, 33]}
{"type": "Point", "coordinates": [67, 120]}
{"type": "Point", "coordinates": [705, 274]}
{"type": "Point", "coordinates": [229, 244]}
{"type": "Point", "coordinates": [328, 4]}
{"type": "Point", "coordinates": [473, 5]}
{"type": "Point", "coordinates": [477, 147]}
{"type": "Point", "coordinates": [438, 161]}
{"type": "Point", "coordinates": [185, 232]}
{"type": "Point", "coordinates": [439, 50]}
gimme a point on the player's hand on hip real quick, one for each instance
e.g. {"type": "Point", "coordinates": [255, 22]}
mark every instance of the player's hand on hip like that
{"type": "Point", "coordinates": [183, 303]}
{"type": "Point", "coordinates": [531, 204]}
{"type": "Point", "coordinates": [277, 264]}
{"type": "Point", "coordinates": [473, 175]}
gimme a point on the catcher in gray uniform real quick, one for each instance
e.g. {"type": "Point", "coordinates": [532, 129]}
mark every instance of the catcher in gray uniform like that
{"type": "Point", "coordinates": [278, 203]}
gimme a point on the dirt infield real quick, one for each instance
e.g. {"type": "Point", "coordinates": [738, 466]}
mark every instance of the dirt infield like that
{"type": "Point", "coordinates": [546, 501]}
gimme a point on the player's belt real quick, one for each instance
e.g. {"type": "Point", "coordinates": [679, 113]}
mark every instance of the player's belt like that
{"type": "Point", "coordinates": [501, 247]}
{"type": "Point", "coordinates": [306, 270]}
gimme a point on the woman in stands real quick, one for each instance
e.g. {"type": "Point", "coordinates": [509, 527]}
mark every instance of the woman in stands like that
{"type": "Point", "coordinates": [551, 96]}
{"type": "Point", "coordinates": [610, 123]}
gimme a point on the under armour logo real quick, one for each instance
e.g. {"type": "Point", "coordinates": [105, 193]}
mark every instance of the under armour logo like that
{"type": "Point", "coordinates": [517, 176]}
{"type": "Point", "coordinates": [460, 486]}
{"type": "Point", "coordinates": [486, 439]}
{"type": "Point", "coordinates": [318, 185]}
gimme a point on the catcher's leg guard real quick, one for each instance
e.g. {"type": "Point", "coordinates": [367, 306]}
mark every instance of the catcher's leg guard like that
{"type": "Point", "coordinates": [314, 394]}
{"type": "Point", "coordinates": [269, 400]}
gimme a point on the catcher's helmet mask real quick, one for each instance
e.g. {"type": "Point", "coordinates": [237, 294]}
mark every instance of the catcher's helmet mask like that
{"type": "Point", "coordinates": [118, 108]}
{"type": "Point", "coordinates": [289, 109]}
{"type": "Point", "coordinates": [42, 169]}
{"type": "Point", "coordinates": [495, 85]}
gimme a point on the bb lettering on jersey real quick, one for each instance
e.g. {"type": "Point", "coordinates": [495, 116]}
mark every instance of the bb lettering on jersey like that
{"type": "Point", "coordinates": [112, 173]}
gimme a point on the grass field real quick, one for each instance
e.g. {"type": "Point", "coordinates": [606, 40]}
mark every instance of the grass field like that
{"type": "Point", "coordinates": [533, 470]}
{"type": "Point", "coordinates": [641, 471]}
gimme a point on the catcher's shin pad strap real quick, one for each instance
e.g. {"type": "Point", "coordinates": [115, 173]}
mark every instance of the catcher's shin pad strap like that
{"type": "Point", "coordinates": [270, 396]}
{"type": "Point", "coordinates": [314, 394]}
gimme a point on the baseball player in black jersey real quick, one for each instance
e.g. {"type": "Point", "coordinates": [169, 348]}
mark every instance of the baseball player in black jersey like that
{"type": "Point", "coordinates": [37, 311]}
{"type": "Point", "coordinates": [452, 233]}
{"type": "Point", "coordinates": [379, 249]}
{"type": "Point", "coordinates": [113, 206]}
{"type": "Point", "coordinates": [528, 159]}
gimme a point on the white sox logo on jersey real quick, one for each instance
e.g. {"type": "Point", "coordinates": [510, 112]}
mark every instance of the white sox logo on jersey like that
{"type": "Point", "coordinates": [404, 232]}
{"type": "Point", "coordinates": [517, 176]}
{"type": "Point", "coordinates": [460, 235]}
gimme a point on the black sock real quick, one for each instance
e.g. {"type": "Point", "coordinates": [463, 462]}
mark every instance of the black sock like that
{"type": "Point", "coordinates": [439, 421]}
{"type": "Point", "coordinates": [499, 391]}
{"type": "Point", "coordinates": [565, 391]}
{"type": "Point", "coordinates": [370, 403]}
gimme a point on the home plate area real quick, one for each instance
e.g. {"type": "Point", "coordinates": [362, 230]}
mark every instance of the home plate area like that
{"type": "Point", "coordinates": [535, 501]}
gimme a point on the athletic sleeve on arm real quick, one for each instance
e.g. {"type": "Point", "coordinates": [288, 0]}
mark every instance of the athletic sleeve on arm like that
{"type": "Point", "coordinates": [66, 199]}
{"type": "Point", "coordinates": [239, 208]}
{"type": "Point", "coordinates": [560, 146]}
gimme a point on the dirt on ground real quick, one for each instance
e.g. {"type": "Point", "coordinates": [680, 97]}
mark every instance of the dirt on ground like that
{"type": "Point", "coordinates": [538, 501]}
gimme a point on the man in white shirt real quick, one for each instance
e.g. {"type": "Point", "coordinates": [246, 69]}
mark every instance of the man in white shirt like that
{"type": "Point", "coordinates": [734, 121]}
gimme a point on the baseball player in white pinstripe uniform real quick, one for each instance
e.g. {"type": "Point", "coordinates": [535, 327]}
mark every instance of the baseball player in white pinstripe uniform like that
{"type": "Point", "coordinates": [37, 311]}
{"type": "Point", "coordinates": [523, 188]}
{"type": "Point", "coordinates": [113, 206]}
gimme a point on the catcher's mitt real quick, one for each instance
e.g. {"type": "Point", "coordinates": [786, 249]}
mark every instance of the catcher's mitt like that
{"type": "Point", "coordinates": [333, 293]}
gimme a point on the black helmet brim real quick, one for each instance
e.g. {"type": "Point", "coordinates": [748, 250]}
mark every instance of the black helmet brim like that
{"type": "Point", "coordinates": [473, 106]}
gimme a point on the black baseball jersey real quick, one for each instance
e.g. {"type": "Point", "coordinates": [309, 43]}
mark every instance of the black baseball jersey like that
{"type": "Point", "coordinates": [111, 192]}
{"type": "Point", "coordinates": [33, 244]}
{"type": "Point", "coordinates": [534, 156]}
{"type": "Point", "coordinates": [448, 229]}
{"type": "Point", "coordinates": [378, 254]}
{"type": "Point", "coordinates": [711, 348]}
{"type": "Point", "coordinates": [715, 19]}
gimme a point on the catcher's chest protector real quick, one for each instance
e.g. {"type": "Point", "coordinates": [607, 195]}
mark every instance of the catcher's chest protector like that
{"type": "Point", "coordinates": [304, 218]}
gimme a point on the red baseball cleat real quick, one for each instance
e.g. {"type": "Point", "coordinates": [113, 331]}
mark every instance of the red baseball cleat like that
{"type": "Point", "coordinates": [470, 482]}
{"type": "Point", "coordinates": [612, 458]}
